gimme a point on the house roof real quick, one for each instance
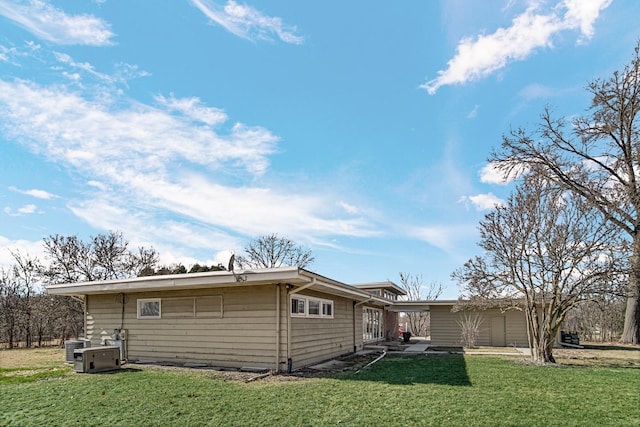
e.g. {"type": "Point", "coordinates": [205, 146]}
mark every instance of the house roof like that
{"type": "Point", "coordinates": [382, 285]}
{"type": "Point", "coordinates": [298, 278]}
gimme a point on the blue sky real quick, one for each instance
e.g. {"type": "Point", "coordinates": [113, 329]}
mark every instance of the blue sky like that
{"type": "Point", "coordinates": [358, 129]}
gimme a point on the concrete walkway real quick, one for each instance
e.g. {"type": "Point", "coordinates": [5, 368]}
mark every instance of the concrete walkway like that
{"type": "Point", "coordinates": [421, 345]}
{"type": "Point", "coordinates": [418, 347]}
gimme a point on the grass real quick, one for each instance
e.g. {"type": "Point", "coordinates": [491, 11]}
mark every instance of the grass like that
{"type": "Point", "coordinates": [418, 390]}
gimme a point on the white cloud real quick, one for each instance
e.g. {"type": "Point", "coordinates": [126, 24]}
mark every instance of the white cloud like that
{"type": "Point", "coordinates": [484, 202]}
{"type": "Point", "coordinates": [473, 113]}
{"type": "Point", "coordinates": [24, 210]}
{"type": "Point", "coordinates": [246, 22]}
{"type": "Point", "coordinates": [52, 24]}
{"type": "Point", "coordinates": [38, 194]}
{"type": "Point", "coordinates": [24, 247]}
{"type": "Point", "coordinates": [27, 209]}
{"type": "Point", "coordinates": [192, 107]}
{"type": "Point", "coordinates": [348, 207]}
{"type": "Point", "coordinates": [481, 56]}
{"type": "Point", "coordinates": [491, 174]}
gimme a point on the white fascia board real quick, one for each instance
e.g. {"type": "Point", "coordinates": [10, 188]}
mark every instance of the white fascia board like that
{"type": "Point", "coordinates": [213, 279]}
{"type": "Point", "coordinates": [326, 285]}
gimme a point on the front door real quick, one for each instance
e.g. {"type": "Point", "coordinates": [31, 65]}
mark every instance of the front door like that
{"type": "Point", "coordinates": [498, 332]}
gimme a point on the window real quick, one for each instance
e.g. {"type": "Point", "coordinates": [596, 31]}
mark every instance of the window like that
{"type": "Point", "coordinates": [149, 308]}
{"type": "Point", "coordinates": [297, 307]}
{"type": "Point", "coordinates": [314, 307]}
{"type": "Point", "coordinates": [372, 324]}
{"type": "Point", "coordinates": [303, 306]}
{"type": "Point", "coordinates": [327, 308]}
{"type": "Point", "coordinates": [180, 307]}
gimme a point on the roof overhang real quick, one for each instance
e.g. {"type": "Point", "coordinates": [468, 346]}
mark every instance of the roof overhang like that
{"type": "Point", "coordinates": [381, 285]}
{"type": "Point", "coordinates": [419, 306]}
{"type": "Point", "coordinates": [292, 276]}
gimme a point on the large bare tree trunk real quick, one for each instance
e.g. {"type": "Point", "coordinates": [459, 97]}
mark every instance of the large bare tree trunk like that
{"type": "Point", "coordinates": [631, 331]}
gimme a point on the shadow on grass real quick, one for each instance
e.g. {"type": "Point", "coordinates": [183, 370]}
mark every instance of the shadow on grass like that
{"type": "Point", "coordinates": [116, 371]}
{"type": "Point", "coordinates": [592, 346]}
{"type": "Point", "coordinates": [445, 369]}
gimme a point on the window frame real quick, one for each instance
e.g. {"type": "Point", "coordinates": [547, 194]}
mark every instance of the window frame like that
{"type": "Point", "coordinates": [141, 301]}
{"type": "Point", "coordinates": [307, 301]}
{"type": "Point", "coordinates": [194, 313]}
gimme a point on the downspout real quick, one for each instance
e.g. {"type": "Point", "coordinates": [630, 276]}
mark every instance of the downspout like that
{"type": "Point", "coordinates": [289, 293]}
{"type": "Point", "coordinates": [278, 291]}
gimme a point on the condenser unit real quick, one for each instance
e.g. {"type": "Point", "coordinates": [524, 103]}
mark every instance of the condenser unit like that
{"type": "Point", "coordinates": [96, 359]}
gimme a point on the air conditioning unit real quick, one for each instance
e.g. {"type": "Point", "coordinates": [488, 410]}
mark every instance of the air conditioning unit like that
{"type": "Point", "coordinates": [96, 359]}
{"type": "Point", "coordinates": [69, 347]}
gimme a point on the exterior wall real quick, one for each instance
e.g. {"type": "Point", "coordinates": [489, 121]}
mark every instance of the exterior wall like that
{"type": "Point", "coordinates": [243, 336]}
{"type": "Point", "coordinates": [391, 320]}
{"type": "Point", "coordinates": [445, 330]}
{"type": "Point", "coordinates": [314, 340]}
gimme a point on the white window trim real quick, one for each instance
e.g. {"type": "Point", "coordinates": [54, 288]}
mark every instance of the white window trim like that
{"type": "Point", "coordinates": [306, 300]}
{"type": "Point", "coordinates": [147, 300]}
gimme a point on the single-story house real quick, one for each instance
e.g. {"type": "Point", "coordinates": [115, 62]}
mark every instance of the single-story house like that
{"type": "Point", "coordinates": [279, 318]}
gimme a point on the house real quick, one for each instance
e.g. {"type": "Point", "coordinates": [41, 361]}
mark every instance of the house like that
{"type": "Point", "coordinates": [279, 318]}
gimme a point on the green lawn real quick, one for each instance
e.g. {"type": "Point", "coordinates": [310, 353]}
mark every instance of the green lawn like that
{"type": "Point", "coordinates": [419, 390]}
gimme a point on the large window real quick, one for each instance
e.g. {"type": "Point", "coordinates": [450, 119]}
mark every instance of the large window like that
{"type": "Point", "coordinates": [372, 324]}
{"type": "Point", "coordinates": [180, 307]}
{"type": "Point", "coordinates": [303, 306]}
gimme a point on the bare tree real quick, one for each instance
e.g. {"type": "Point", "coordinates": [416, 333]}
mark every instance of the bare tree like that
{"type": "Point", "coordinates": [470, 323]}
{"type": "Point", "coordinates": [598, 158]}
{"type": "Point", "coordinates": [105, 256]}
{"type": "Point", "coordinates": [548, 250]}
{"type": "Point", "coordinates": [599, 320]}
{"type": "Point", "coordinates": [419, 322]}
{"type": "Point", "coordinates": [272, 251]}
{"type": "Point", "coordinates": [18, 287]}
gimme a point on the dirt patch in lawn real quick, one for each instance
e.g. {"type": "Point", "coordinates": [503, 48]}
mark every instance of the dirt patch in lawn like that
{"type": "Point", "coordinates": [32, 358]}
{"type": "Point", "coordinates": [599, 354]}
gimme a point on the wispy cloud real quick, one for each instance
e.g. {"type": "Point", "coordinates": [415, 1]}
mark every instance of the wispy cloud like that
{"type": "Point", "coordinates": [481, 56]}
{"type": "Point", "coordinates": [173, 159]}
{"type": "Point", "coordinates": [38, 194]}
{"type": "Point", "coordinates": [445, 237]}
{"type": "Point", "coordinates": [124, 72]}
{"type": "Point", "coordinates": [24, 210]}
{"type": "Point", "coordinates": [49, 23]}
{"type": "Point", "coordinates": [247, 22]}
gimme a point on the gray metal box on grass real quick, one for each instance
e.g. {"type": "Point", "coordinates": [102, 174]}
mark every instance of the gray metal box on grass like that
{"type": "Point", "coordinates": [96, 359]}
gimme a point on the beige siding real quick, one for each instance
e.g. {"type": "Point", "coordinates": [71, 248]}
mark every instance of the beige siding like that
{"type": "Point", "coordinates": [318, 339]}
{"type": "Point", "coordinates": [244, 334]}
{"type": "Point", "coordinates": [517, 329]}
{"type": "Point", "coordinates": [445, 330]}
